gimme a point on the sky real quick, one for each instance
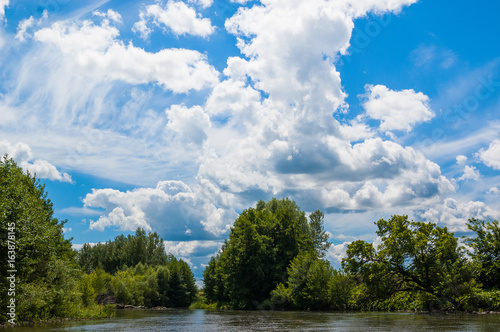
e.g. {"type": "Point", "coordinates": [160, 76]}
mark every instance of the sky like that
{"type": "Point", "coordinates": [175, 116]}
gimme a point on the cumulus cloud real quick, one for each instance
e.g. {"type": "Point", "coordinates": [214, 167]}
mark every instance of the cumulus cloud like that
{"type": "Point", "coordinates": [491, 156]}
{"type": "Point", "coordinates": [172, 209]}
{"type": "Point", "coordinates": [494, 191]}
{"type": "Point", "coordinates": [94, 51]}
{"type": "Point", "coordinates": [470, 173]}
{"type": "Point", "coordinates": [175, 16]}
{"type": "Point", "coordinates": [23, 155]}
{"type": "Point", "coordinates": [336, 253]}
{"type": "Point", "coordinates": [283, 138]}
{"type": "Point", "coordinates": [190, 124]}
{"type": "Point", "coordinates": [397, 110]}
{"type": "Point", "coordinates": [455, 214]}
{"type": "Point", "coordinates": [192, 248]}
{"type": "Point", "coordinates": [461, 159]}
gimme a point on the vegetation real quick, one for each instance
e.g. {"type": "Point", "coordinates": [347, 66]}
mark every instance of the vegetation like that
{"type": "Point", "coordinates": [49, 280]}
{"type": "Point", "coordinates": [274, 258]}
{"type": "Point", "coordinates": [123, 252]}
{"type": "Point", "coordinates": [262, 244]}
{"type": "Point", "coordinates": [46, 277]}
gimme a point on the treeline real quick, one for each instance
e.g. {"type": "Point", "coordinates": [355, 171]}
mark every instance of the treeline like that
{"type": "Point", "coordinates": [43, 278]}
{"type": "Point", "coordinates": [274, 259]}
{"type": "Point", "coordinates": [123, 252]}
{"type": "Point", "coordinates": [136, 270]}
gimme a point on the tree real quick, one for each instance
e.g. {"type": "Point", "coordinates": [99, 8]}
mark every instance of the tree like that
{"type": "Point", "coordinates": [307, 284]}
{"type": "Point", "coordinates": [262, 243]}
{"type": "Point", "coordinates": [412, 257]}
{"type": "Point", "coordinates": [318, 235]}
{"type": "Point", "coordinates": [181, 290]}
{"type": "Point", "coordinates": [486, 251]}
{"type": "Point", "coordinates": [44, 260]}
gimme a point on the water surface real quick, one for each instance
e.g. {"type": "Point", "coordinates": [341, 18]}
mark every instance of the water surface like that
{"type": "Point", "coordinates": [215, 320]}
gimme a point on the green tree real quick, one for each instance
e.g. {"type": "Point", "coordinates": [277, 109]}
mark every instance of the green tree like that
{"type": "Point", "coordinates": [307, 285]}
{"type": "Point", "coordinates": [486, 251]}
{"type": "Point", "coordinates": [262, 243]}
{"type": "Point", "coordinates": [182, 290]}
{"type": "Point", "coordinates": [412, 257]}
{"type": "Point", "coordinates": [46, 277]}
{"type": "Point", "coordinates": [318, 235]}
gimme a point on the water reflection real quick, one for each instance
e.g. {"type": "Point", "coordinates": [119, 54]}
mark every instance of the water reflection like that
{"type": "Point", "coordinates": [212, 320]}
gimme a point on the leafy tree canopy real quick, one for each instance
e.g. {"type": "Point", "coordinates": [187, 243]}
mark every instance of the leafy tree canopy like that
{"type": "Point", "coordinates": [412, 256]}
{"type": "Point", "coordinates": [263, 242]}
{"type": "Point", "coordinates": [486, 251]}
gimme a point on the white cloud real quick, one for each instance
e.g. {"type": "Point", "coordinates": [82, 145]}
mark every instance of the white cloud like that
{"type": "Point", "coordinates": [491, 156]}
{"type": "Point", "coordinates": [170, 209]}
{"type": "Point", "coordinates": [494, 191]}
{"type": "Point", "coordinates": [177, 17]}
{"type": "Point", "coordinates": [461, 159]}
{"type": "Point", "coordinates": [285, 139]}
{"type": "Point", "coordinates": [22, 154]}
{"type": "Point", "coordinates": [455, 214]}
{"type": "Point", "coordinates": [3, 4]}
{"type": "Point", "coordinates": [23, 26]}
{"type": "Point", "coordinates": [361, 7]}
{"type": "Point", "coordinates": [397, 110]}
{"type": "Point", "coordinates": [190, 124]}
{"type": "Point", "coordinates": [78, 246]}
{"type": "Point", "coordinates": [470, 173]}
{"type": "Point", "coordinates": [110, 14]}
{"type": "Point", "coordinates": [94, 51]}
{"type": "Point", "coordinates": [192, 248]}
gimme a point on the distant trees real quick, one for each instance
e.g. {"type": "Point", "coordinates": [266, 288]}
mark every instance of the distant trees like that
{"type": "Point", "coordinates": [123, 252]}
{"type": "Point", "coordinates": [137, 271]}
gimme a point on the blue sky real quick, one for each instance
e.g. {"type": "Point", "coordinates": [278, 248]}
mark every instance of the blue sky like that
{"type": "Point", "coordinates": [177, 115]}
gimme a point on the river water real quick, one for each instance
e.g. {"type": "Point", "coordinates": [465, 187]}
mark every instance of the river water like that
{"type": "Point", "coordinates": [215, 320]}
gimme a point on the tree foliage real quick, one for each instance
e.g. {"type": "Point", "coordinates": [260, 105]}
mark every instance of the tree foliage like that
{"type": "Point", "coordinates": [46, 274]}
{"type": "Point", "coordinates": [412, 257]}
{"type": "Point", "coordinates": [123, 251]}
{"type": "Point", "coordinates": [486, 251]}
{"type": "Point", "coordinates": [263, 242]}
{"type": "Point", "coordinates": [137, 271]}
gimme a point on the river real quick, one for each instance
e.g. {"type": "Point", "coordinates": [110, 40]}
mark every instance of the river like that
{"type": "Point", "coordinates": [214, 320]}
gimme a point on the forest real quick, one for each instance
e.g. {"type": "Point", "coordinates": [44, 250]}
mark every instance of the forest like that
{"type": "Point", "coordinates": [274, 259]}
